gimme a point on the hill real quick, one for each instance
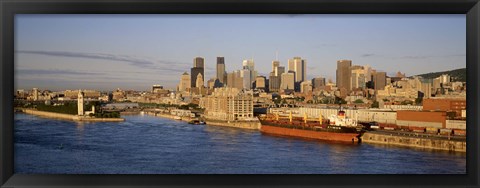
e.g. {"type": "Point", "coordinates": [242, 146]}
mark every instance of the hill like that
{"type": "Point", "coordinates": [457, 74]}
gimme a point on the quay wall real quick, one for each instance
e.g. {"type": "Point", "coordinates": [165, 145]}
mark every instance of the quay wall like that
{"type": "Point", "coordinates": [69, 117]}
{"type": "Point", "coordinates": [416, 142]}
{"type": "Point", "coordinates": [169, 116]}
{"type": "Point", "coordinates": [254, 125]}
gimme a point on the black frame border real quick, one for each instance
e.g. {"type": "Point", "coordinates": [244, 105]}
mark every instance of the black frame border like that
{"type": "Point", "coordinates": [8, 8]}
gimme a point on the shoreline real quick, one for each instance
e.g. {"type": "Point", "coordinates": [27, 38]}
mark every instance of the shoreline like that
{"type": "Point", "coordinates": [168, 116]}
{"type": "Point", "coordinates": [55, 115]}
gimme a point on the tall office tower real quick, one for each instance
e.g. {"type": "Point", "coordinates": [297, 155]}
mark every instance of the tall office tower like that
{"type": "Point", "coordinates": [368, 73]}
{"type": "Point", "coordinates": [260, 82]}
{"type": "Point", "coordinates": [199, 62]}
{"type": "Point", "coordinates": [184, 82]}
{"type": "Point", "coordinates": [247, 79]}
{"type": "Point", "coordinates": [343, 74]}
{"type": "Point", "coordinates": [238, 79]}
{"type": "Point", "coordinates": [287, 81]}
{"type": "Point", "coordinates": [221, 69]}
{"type": "Point", "coordinates": [194, 72]}
{"type": "Point", "coordinates": [274, 82]}
{"type": "Point", "coordinates": [299, 67]}
{"type": "Point", "coordinates": [280, 71]}
{"type": "Point", "coordinates": [380, 80]}
{"type": "Point", "coordinates": [198, 68]}
{"type": "Point", "coordinates": [318, 82]}
{"type": "Point", "coordinates": [275, 65]}
{"type": "Point", "coordinates": [357, 76]}
{"type": "Point", "coordinates": [199, 81]}
{"type": "Point", "coordinates": [248, 66]}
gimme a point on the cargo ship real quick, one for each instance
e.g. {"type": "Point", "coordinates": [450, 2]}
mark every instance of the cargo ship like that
{"type": "Point", "coordinates": [336, 128]}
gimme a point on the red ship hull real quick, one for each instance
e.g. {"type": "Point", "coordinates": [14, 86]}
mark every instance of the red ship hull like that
{"type": "Point", "coordinates": [309, 134]}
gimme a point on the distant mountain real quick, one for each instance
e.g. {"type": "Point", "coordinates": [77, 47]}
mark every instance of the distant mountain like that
{"type": "Point", "coordinates": [456, 75]}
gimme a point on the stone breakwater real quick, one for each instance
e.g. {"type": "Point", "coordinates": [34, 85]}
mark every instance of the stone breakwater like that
{"type": "Point", "coordinates": [69, 117]}
{"type": "Point", "coordinates": [415, 141]}
{"type": "Point", "coordinates": [254, 125]}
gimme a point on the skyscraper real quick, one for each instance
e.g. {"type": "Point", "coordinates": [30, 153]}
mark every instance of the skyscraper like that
{"type": "Point", "coordinates": [358, 77]}
{"type": "Point", "coordinates": [185, 82]}
{"type": "Point", "coordinates": [221, 69]}
{"type": "Point", "coordinates": [249, 70]}
{"type": "Point", "coordinates": [199, 81]}
{"type": "Point", "coordinates": [343, 74]}
{"type": "Point", "coordinates": [287, 81]}
{"type": "Point", "coordinates": [199, 62]}
{"type": "Point", "coordinates": [380, 80]}
{"type": "Point", "coordinates": [299, 67]}
{"type": "Point", "coordinates": [275, 65]}
{"type": "Point", "coordinates": [198, 68]}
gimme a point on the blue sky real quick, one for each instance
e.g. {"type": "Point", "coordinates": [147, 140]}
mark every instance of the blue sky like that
{"type": "Point", "coordinates": [105, 52]}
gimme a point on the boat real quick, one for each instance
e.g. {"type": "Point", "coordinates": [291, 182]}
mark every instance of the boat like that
{"type": "Point", "coordinates": [177, 118]}
{"type": "Point", "coordinates": [197, 122]}
{"type": "Point", "coordinates": [335, 128]}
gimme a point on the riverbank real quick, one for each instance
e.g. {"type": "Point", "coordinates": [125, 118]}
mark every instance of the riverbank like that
{"type": "Point", "coordinates": [254, 125]}
{"type": "Point", "coordinates": [68, 116]}
{"type": "Point", "coordinates": [169, 116]}
{"type": "Point", "coordinates": [415, 141]}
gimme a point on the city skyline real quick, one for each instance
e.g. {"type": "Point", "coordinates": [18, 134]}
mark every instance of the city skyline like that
{"type": "Point", "coordinates": [99, 52]}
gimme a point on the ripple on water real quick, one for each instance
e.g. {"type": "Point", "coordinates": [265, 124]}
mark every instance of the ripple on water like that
{"type": "Point", "coordinates": [152, 145]}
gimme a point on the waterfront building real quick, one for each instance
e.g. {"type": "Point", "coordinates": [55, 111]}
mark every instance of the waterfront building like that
{"type": "Point", "coordinates": [287, 81]}
{"type": "Point", "coordinates": [299, 67]}
{"type": "Point", "coordinates": [73, 94]}
{"type": "Point", "coordinates": [184, 82]}
{"type": "Point", "coordinates": [343, 74]}
{"type": "Point", "coordinates": [228, 104]}
{"type": "Point", "coordinates": [80, 103]}
{"type": "Point", "coordinates": [221, 74]}
{"type": "Point", "coordinates": [446, 104]}
{"type": "Point", "coordinates": [260, 82]}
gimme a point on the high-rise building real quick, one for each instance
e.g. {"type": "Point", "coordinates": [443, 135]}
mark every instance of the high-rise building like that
{"type": "Point", "coordinates": [247, 79]}
{"type": "Point", "coordinates": [199, 62]}
{"type": "Point", "coordinates": [185, 82]}
{"type": "Point", "coordinates": [198, 68]}
{"type": "Point", "coordinates": [358, 77]}
{"type": "Point", "coordinates": [249, 70]}
{"type": "Point", "coordinates": [287, 81]}
{"type": "Point", "coordinates": [275, 65]}
{"type": "Point", "coordinates": [195, 71]}
{"type": "Point", "coordinates": [260, 82]}
{"type": "Point", "coordinates": [274, 82]}
{"type": "Point", "coordinates": [343, 74]}
{"type": "Point", "coordinates": [221, 74]}
{"type": "Point", "coordinates": [318, 82]}
{"type": "Point", "coordinates": [299, 67]}
{"type": "Point", "coordinates": [199, 81]}
{"type": "Point", "coordinates": [380, 80]}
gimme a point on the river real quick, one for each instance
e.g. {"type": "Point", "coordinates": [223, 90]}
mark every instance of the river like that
{"type": "Point", "coordinates": [153, 145]}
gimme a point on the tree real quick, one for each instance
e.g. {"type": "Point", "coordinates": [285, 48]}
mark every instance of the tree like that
{"type": "Point", "coordinates": [375, 104]}
{"type": "Point", "coordinates": [358, 101]}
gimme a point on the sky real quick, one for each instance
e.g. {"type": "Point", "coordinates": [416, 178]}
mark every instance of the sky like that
{"type": "Point", "coordinates": [105, 52]}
